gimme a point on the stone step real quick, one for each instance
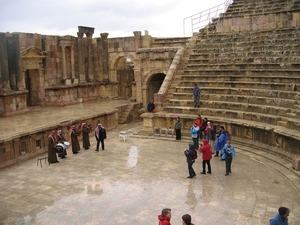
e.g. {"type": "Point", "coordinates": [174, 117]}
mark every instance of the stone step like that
{"type": "Point", "coordinates": [241, 60]}
{"type": "Point", "coordinates": [242, 92]}
{"type": "Point", "coordinates": [235, 84]}
{"type": "Point", "coordinates": [263, 47]}
{"type": "Point", "coordinates": [238, 106]}
{"type": "Point", "coordinates": [248, 71]}
{"type": "Point", "coordinates": [237, 77]}
{"type": "Point", "coordinates": [274, 102]}
{"type": "Point", "coordinates": [292, 123]}
{"type": "Point", "coordinates": [241, 65]}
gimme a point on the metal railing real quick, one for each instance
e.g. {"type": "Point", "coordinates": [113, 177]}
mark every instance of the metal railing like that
{"type": "Point", "coordinates": [200, 20]}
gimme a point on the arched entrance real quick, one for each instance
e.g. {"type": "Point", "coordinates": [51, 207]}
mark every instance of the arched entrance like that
{"type": "Point", "coordinates": [154, 84]}
{"type": "Point", "coordinates": [125, 77]}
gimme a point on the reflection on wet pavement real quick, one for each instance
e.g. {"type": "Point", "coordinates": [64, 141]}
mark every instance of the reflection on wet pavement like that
{"type": "Point", "coordinates": [133, 156]}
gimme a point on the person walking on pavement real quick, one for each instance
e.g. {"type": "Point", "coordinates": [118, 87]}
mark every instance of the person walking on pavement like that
{"type": "Point", "coordinates": [228, 152]}
{"type": "Point", "coordinates": [206, 156]}
{"type": "Point", "coordinates": [178, 126]}
{"type": "Point", "coordinates": [100, 135]}
{"type": "Point", "coordinates": [190, 159]}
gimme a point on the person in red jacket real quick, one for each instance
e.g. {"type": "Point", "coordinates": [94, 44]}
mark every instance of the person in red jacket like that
{"type": "Point", "coordinates": [199, 121]}
{"type": "Point", "coordinates": [165, 217]}
{"type": "Point", "coordinates": [206, 156]}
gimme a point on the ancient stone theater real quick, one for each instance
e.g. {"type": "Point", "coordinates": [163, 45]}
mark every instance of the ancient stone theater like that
{"type": "Point", "coordinates": [246, 62]}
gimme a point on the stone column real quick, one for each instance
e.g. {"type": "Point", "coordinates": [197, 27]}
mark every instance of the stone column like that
{"type": "Point", "coordinates": [81, 58]}
{"type": "Point", "coordinates": [4, 64]}
{"type": "Point", "coordinates": [105, 56]}
{"type": "Point", "coordinates": [138, 79]}
{"type": "Point", "coordinates": [137, 39]}
{"type": "Point", "coordinates": [41, 86]}
{"type": "Point", "coordinates": [72, 63]}
{"type": "Point", "coordinates": [64, 62]}
{"type": "Point", "coordinates": [90, 57]}
{"type": "Point", "coordinates": [20, 79]}
{"type": "Point", "coordinates": [144, 88]}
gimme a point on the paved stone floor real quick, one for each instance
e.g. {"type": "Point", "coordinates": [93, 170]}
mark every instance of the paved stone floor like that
{"type": "Point", "coordinates": [130, 182]}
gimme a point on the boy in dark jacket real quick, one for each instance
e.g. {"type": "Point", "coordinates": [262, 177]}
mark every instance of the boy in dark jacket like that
{"type": "Point", "coordinates": [190, 153]}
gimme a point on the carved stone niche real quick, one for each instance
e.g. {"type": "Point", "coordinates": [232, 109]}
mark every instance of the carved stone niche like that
{"type": "Point", "coordinates": [67, 44]}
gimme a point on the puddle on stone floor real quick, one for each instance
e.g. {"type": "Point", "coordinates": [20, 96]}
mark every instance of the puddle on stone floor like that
{"type": "Point", "coordinates": [132, 158]}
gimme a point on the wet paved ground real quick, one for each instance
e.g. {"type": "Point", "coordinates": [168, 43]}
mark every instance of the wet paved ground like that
{"type": "Point", "coordinates": [129, 183]}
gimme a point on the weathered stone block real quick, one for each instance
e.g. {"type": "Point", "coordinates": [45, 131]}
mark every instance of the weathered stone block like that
{"type": "Point", "coordinates": [296, 164]}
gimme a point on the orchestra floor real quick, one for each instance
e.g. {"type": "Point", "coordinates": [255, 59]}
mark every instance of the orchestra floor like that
{"type": "Point", "coordinates": [130, 182]}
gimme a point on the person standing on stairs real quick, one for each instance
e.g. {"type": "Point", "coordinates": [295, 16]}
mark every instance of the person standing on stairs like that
{"type": "Point", "coordinates": [197, 94]}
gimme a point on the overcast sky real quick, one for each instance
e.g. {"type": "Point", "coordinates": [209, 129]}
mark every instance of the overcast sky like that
{"type": "Point", "coordinates": [119, 18]}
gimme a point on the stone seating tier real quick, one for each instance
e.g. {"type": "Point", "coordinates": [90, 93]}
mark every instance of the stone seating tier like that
{"type": "Point", "coordinates": [244, 91]}
{"type": "Point", "coordinates": [163, 42]}
{"type": "Point", "coordinates": [247, 93]}
{"type": "Point", "coordinates": [250, 7]}
{"type": "Point", "coordinates": [268, 36]}
{"type": "Point", "coordinates": [284, 122]}
{"type": "Point", "coordinates": [284, 105]}
{"type": "Point", "coordinates": [247, 129]}
{"type": "Point", "coordinates": [250, 45]}
{"type": "Point", "coordinates": [241, 65]}
{"type": "Point", "coordinates": [236, 60]}
{"type": "Point", "coordinates": [239, 84]}
{"type": "Point", "coordinates": [240, 78]}
{"type": "Point", "coordinates": [240, 106]}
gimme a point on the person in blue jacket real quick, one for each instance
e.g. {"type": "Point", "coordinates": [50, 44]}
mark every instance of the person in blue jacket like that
{"type": "Point", "coordinates": [221, 141]}
{"type": "Point", "coordinates": [228, 153]}
{"type": "Point", "coordinates": [281, 218]}
{"type": "Point", "coordinates": [194, 132]}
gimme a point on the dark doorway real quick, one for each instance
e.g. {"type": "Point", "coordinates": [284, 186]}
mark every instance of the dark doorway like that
{"type": "Point", "coordinates": [31, 84]}
{"type": "Point", "coordinates": [154, 85]}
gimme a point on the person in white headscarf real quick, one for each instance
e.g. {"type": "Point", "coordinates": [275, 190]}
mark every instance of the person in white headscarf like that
{"type": "Point", "coordinates": [74, 139]}
{"type": "Point", "coordinates": [85, 136]}
{"type": "Point", "coordinates": [52, 157]}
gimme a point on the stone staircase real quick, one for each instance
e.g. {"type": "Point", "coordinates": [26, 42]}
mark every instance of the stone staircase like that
{"type": "Point", "coordinates": [125, 114]}
{"type": "Point", "coordinates": [245, 7]}
{"type": "Point", "coordinates": [180, 70]}
{"type": "Point", "coordinates": [250, 80]}
{"type": "Point", "coordinates": [169, 42]}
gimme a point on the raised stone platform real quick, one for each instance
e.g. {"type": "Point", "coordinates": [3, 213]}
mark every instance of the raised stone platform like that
{"type": "Point", "coordinates": [25, 136]}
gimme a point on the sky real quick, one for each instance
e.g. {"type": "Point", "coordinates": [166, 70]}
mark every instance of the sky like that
{"type": "Point", "coordinates": [119, 18]}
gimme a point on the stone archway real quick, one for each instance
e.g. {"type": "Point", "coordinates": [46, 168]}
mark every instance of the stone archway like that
{"type": "Point", "coordinates": [152, 85]}
{"type": "Point", "coordinates": [121, 71]}
{"type": "Point", "coordinates": [34, 75]}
